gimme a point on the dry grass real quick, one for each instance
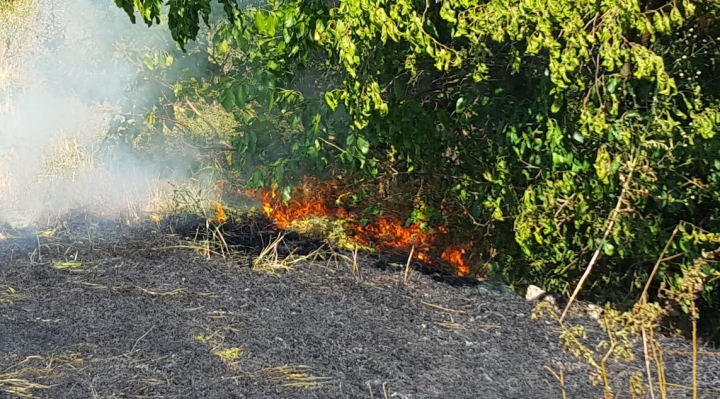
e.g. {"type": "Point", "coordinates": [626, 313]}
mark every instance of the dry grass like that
{"type": "Point", "coordinates": [11, 384]}
{"type": "Point", "coordinates": [270, 261]}
{"type": "Point", "coordinates": [17, 380]}
{"type": "Point", "coordinates": [209, 240]}
{"type": "Point", "coordinates": [68, 265]}
{"type": "Point", "coordinates": [296, 376]}
{"type": "Point", "coordinates": [67, 158]}
{"type": "Point", "coordinates": [215, 339]}
{"type": "Point", "coordinates": [9, 294]}
{"type": "Point", "coordinates": [161, 293]}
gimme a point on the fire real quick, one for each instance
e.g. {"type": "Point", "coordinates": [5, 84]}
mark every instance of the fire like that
{"type": "Point", "coordinates": [455, 256]}
{"type": "Point", "coordinates": [384, 233]}
{"type": "Point", "coordinates": [220, 216]}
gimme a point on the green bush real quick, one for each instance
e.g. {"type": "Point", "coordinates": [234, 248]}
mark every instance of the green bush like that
{"type": "Point", "coordinates": [568, 125]}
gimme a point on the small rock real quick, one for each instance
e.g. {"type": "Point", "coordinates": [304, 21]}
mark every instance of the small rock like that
{"type": "Point", "coordinates": [534, 293]}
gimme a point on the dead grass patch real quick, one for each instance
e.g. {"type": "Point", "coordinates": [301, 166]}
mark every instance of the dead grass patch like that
{"type": "Point", "coordinates": [66, 158]}
{"type": "Point", "coordinates": [11, 384]}
{"type": "Point", "coordinates": [17, 380]}
{"type": "Point", "coordinates": [296, 376]}
{"type": "Point", "coordinates": [9, 294]}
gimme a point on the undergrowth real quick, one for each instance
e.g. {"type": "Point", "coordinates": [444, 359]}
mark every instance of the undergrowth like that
{"type": "Point", "coordinates": [625, 329]}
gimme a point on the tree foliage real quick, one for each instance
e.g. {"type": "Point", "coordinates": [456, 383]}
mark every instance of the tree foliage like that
{"type": "Point", "coordinates": [550, 121]}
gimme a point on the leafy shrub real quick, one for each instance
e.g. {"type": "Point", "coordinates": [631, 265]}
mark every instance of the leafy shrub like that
{"type": "Point", "coordinates": [567, 125]}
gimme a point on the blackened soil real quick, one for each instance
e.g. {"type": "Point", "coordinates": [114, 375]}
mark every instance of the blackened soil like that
{"type": "Point", "coordinates": [114, 312]}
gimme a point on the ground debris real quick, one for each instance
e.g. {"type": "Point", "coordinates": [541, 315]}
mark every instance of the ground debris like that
{"type": "Point", "coordinates": [151, 317]}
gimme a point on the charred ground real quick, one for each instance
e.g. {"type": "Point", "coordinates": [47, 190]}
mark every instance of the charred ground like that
{"type": "Point", "coordinates": [99, 309]}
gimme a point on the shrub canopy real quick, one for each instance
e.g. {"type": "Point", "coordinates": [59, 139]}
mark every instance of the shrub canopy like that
{"type": "Point", "coordinates": [568, 125]}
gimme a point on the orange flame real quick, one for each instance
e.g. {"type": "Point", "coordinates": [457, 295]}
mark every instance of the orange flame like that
{"type": "Point", "coordinates": [386, 233]}
{"type": "Point", "coordinates": [456, 256]}
{"type": "Point", "coordinates": [220, 216]}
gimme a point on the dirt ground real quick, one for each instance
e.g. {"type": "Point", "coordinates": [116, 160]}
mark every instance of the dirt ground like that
{"type": "Point", "coordinates": [97, 309]}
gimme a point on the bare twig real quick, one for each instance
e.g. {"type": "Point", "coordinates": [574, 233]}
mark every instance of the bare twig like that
{"type": "Point", "coordinates": [647, 364]}
{"type": "Point", "coordinates": [406, 276]}
{"type": "Point", "coordinates": [612, 218]}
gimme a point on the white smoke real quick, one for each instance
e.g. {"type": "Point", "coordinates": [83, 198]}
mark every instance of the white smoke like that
{"type": "Point", "coordinates": [62, 75]}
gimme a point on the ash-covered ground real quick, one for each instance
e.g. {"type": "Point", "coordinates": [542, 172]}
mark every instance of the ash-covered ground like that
{"type": "Point", "coordinates": [97, 309]}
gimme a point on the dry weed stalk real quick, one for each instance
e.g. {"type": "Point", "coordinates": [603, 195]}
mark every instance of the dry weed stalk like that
{"type": "Point", "coordinates": [408, 267]}
{"type": "Point", "coordinates": [641, 321]}
{"type": "Point", "coordinates": [609, 224]}
{"type": "Point", "coordinates": [690, 286]}
{"type": "Point", "coordinates": [384, 391]}
{"type": "Point", "coordinates": [355, 267]}
{"type": "Point", "coordinates": [560, 376]}
{"type": "Point", "coordinates": [648, 335]}
{"type": "Point", "coordinates": [209, 240]}
{"type": "Point", "coordinates": [621, 328]}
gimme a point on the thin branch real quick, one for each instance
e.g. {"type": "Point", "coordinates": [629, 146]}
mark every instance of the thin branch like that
{"type": "Point", "coordinates": [612, 218]}
{"type": "Point", "coordinates": [661, 259]}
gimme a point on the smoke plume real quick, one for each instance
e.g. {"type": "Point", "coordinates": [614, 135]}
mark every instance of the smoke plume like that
{"type": "Point", "coordinates": [62, 75]}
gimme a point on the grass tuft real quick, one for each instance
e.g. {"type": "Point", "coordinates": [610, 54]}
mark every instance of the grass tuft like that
{"type": "Point", "coordinates": [270, 261]}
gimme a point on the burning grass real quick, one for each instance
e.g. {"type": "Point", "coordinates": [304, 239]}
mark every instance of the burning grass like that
{"type": "Point", "coordinates": [312, 206]}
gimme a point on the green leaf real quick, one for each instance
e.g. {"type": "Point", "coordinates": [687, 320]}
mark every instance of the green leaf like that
{"type": "Point", "coordinates": [149, 121]}
{"type": "Point", "coordinates": [613, 84]}
{"type": "Point", "coordinates": [227, 99]}
{"type": "Point", "coordinates": [577, 136]}
{"type": "Point", "coordinates": [240, 97]}
{"type": "Point", "coordinates": [460, 105]}
{"type": "Point", "coordinates": [557, 103]}
{"type": "Point", "coordinates": [256, 181]}
{"type": "Point", "coordinates": [260, 21]}
{"type": "Point", "coordinates": [271, 24]}
{"type": "Point", "coordinates": [331, 100]}
{"type": "Point", "coordinates": [223, 48]}
{"type": "Point", "coordinates": [319, 26]}
{"type": "Point", "coordinates": [363, 145]}
{"type": "Point", "coordinates": [608, 249]}
{"type": "Point", "coordinates": [287, 193]}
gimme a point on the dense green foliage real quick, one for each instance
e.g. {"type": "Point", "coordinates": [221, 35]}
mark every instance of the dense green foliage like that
{"type": "Point", "coordinates": [569, 125]}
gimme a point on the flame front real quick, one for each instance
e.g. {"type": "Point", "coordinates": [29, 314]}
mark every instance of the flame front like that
{"type": "Point", "coordinates": [386, 233]}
